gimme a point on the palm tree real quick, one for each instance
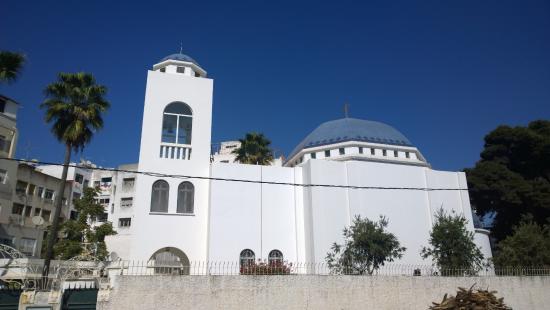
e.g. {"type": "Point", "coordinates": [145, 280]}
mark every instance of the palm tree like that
{"type": "Point", "coordinates": [254, 150]}
{"type": "Point", "coordinates": [74, 105]}
{"type": "Point", "coordinates": [10, 66]}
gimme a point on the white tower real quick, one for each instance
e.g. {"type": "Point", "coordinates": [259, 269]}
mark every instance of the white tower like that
{"type": "Point", "coordinates": [171, 216]}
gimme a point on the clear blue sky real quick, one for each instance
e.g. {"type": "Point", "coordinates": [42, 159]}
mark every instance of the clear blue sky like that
{"type": "Point", "coordinates": [442, 72]}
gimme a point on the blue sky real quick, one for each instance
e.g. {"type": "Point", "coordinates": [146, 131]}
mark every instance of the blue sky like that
{"type": "Point", "coordinates": [442, 72]}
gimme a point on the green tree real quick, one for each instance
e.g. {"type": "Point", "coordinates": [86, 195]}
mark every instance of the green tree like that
{"type": "Point", "coordinates": [80, 236]}
{"type": "Point", "coordinates": [74, 105]}
{"type": "Point", "coordinates": [254, 150]}
{"type": "Point", "coordinates": [512, 178]}
{"type": "Point", "coordinates": [452, 246]}
{"type": "Point", "coordinates": [10, 66]}
{"type": "Point", "coordinates": [367, 246]}
{"type": "Point", "coordinates": [529, 246]}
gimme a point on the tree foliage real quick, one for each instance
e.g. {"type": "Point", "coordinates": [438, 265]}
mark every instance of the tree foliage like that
{"type": "Point", "coordinates": [10, 66]}
{"type": "Point", "coordinates": [512, 178]}
{"type": "Point", "coordinates": [80, 236]}
{"type": "Point", "coordinates": [74, 105]}
{"type": "Point", "coordinates": [452, 245]}
{"type": "Point", "coordinates": [367, 246]}
{"type": "Point", "coordinates": [528, 246]}
{"type": "Point", "coordinates": [254, 150]}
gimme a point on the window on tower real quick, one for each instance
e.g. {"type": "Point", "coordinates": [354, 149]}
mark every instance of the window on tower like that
{"type": "Point", "coordinates": [177, 123]}
{"type": "Point", "coordinates": [180, 69]}
{"type": "Point", "coordinates": [159, 196]}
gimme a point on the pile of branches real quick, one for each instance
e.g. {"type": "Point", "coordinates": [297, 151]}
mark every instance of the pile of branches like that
{"type": "Point", "coordinates": [471, 300]}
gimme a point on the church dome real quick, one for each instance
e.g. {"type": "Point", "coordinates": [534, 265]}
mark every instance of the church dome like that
{"type": "Point", "coordinates": [180, 57]}
{"type": "Point", "coordinates": [352, 129]}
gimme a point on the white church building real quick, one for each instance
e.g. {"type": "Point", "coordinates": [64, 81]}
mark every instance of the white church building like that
{"type": "Point", "coordinates": [218, 211]}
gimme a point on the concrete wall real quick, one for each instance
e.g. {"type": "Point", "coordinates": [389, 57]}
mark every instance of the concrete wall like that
{"type": "Point", "coordinates": [313, 292]}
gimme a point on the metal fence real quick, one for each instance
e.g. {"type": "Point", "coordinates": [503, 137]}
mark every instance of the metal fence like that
{"type": "Point", "coordinates": [151, 267]}
{"type": "Point", "coordinates": [26, 274]}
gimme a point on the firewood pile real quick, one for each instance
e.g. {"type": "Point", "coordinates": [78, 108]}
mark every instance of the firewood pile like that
{"type": "Point", "coordinates": [471, 300]}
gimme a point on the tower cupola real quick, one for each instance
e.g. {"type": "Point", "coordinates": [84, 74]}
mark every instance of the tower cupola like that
{"type": "Point", "coordinates": [180, 63]}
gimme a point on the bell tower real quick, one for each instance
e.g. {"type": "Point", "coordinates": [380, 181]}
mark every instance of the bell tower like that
{"type": "Point", "coordinates": [172, 212]}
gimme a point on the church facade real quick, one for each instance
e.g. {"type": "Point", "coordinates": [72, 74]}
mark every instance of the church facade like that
{"type": "Point", "coordinates": [191, 209]}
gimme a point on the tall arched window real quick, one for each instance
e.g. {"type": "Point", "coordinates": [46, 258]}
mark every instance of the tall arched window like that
{"type": "Point", "coordinates": [275, 257]}
{"type": "Point", "coordinates": [247, 257]}
{"type": "Point", "coordinates": [186, 196]}
{"type": "Point", "coordinates": [177, 123]}
{"type": "Point", "coordinates": [159, 196]}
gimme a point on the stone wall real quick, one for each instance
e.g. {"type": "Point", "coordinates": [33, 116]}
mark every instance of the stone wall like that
{"type": "Point", "coordinates": [312, 292]}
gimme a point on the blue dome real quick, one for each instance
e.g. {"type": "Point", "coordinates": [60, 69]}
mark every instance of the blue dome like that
{"type": "Point", "coordinates": [352, 129]}
{"type": "Point", "coordinates": [180, 57]}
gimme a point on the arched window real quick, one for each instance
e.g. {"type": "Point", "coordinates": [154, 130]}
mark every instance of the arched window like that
{"type": "Point", "coordinates": [170, 261]}
{"type": "Point", "coordinates": [177, 123]}
{"type": "Point", "coordinates": [247, 257]}
{"type": "Point", "coordinates": [186, 195]}
{"type": "Point", "coordinates": [159, 196]}
{"type": "Point", "coordinates": [275, 257]}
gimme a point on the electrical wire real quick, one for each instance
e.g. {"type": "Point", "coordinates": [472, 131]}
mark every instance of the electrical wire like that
{"type": "Point", "coordinates": [181, 176]}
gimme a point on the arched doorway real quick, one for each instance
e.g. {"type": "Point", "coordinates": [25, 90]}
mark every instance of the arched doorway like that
{"type": "Point", "coordinates": [170, 260]}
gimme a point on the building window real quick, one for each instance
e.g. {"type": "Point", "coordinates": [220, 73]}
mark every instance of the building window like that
{"type": "Point", "coordinates": [28, 210]}
{"type": "Point", "coordinates": [327, 153]}
{"type": "Point", "coordinates": [73, 215]}
{"type": "Point", "coordinates": [103, 217]}
{"type": "Point", "coordinates": [46, 215]}
{"type": "Point", "coordinates": [384, 152]}
{"type": "Point", "coordinates": [3, 176]}
{"type": "Point", "coordinates": [31, 189]}
{"type": "Point", "coordinates": [186, 196]}
{"type": "Point", "coordinates": [360, 150]}
{"type": "Point", "coordinates": [76, 196]}
{"type": "Point", "coordinates": [177, 123]}
{"type": "Point", "coordinates": [163, 69]}
{"type": "Point", "coordinates": [128, 184]}
{"type": "Point", "coordinates": [275, 257]}
{"type": "Point", "coordinates": [247, 257]}
{"type": "Point", "coordinates": [342, 151]}
{"type": "Point", "coordinates": [86, 183]}
{"type": "Point", "coordinates": [395, 153]}
{"type": "Point", "coordinates": [48, 194]}
{"type": "Point", "coordinates": [79, 178]}
{"type": "Point", "coordinates": [197, 74]}
{"type": "Point", "coordinates": [313, 155]}
{"type": "Point", "coordinates": [4, 144]}
{"type": "Point", "coordinates": [2, 105]}
{"type": "Point", "coordinates": [17, 208]}
{"type": "Point", "coordinates": [124, 222]}
{"type": "Point", "coordinates": [180, 69]}
{"type": "Point", "coordinates": [407, 154]}
{"type": "Point", "coordinates": [126, 202]}
{"type": "Point", "coordinates": [37, 211]}
{"type": "Point", "coordinates": [20, 187]}
{"type": "Point", "coordinates": [97, 183]}
{"type": "Point", "coordinates": [159, 196]}
{"type": "Point", "coordinates": [27, 245]}
{"type": "Point", "coordinates": [372, 151]}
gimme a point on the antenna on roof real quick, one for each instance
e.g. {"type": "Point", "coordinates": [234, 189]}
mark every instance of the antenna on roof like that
{"type": "Point", "coordinates": [346, 110]}
{"type": "Point", "coordinates": [181, 47]}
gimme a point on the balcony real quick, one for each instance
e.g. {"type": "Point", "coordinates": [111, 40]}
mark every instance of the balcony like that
{"type": "Point", "coordinates": [175, 151]}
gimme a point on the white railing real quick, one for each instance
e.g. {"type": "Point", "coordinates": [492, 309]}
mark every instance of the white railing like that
{"type": "Point", "coordinates": [175, 151]}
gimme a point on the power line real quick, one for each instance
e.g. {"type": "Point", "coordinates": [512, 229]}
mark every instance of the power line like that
{"type": "Point", "coordinates": [181, 176]}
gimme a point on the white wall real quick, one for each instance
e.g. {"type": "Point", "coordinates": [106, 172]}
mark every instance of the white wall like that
{"type": "Point", "coordinates": [260, 217]}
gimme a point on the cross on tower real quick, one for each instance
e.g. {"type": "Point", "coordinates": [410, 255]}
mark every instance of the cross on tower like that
{"type": "Point", "coordinates": [346, 110]}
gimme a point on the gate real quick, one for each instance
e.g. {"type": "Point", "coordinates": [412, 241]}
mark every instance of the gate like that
{"type": "Point", "coordinates": [9, 299]}
{"type": "Point", "coordinates": [79, 299]}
